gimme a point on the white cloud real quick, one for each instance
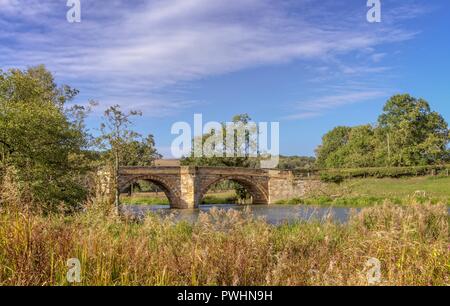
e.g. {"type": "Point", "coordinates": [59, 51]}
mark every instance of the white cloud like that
{"type": "Point", "coordinates": [332, 101]}
{"type": "Point", "coordinates": [378, 57]}
{"type": "Point", "coordinates": [26, 8]}
{"type": "Point", "coordinates": [317, 107]}
{"type": "Point", "coordinates": [8, 5]}
{"type": "Point", "coordinates": [144, 48]}
{"type": "Point", "coordinates": [303, 115]}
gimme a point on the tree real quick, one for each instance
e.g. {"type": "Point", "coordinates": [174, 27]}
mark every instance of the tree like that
{"type": "Point", "coordinates": [42, 139]}
{"type": "Point", "coordinates": [241, 148]}
{"type": "Point", "coordinates": [330, 154]}
{"type": "Point", "coordinates": [408, 134]}
{"type": "Point", "coordinates": [359, 151]}
{"type": "Point", "coordinates": [241, 157]}
{"type": "Point", "coordinates": [115, 139]}
{"type": "Point", "coordinates": [140, 152]}
{"type": "Point", "coordinates": [413, 134]}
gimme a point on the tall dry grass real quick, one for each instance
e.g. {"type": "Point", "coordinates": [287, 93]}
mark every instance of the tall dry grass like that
{"type": "Point", "coordinates": [226, 248]}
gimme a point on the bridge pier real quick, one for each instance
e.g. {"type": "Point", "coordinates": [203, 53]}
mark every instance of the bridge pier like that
{"type": "Point", "coordinates": [187, 188]}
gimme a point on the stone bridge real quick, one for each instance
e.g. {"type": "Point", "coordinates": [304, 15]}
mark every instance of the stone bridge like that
{"type": "Point", "coordinates": [186, 186]}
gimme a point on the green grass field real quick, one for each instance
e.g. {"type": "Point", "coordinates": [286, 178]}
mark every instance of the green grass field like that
{"type": "Point", "coordinates": [372, 191]}
{"type": "Point", "coordinates": [437, 187]}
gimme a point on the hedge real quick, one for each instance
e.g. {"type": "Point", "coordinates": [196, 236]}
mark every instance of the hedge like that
{"type": "Point", "coordinates": [338, 175]}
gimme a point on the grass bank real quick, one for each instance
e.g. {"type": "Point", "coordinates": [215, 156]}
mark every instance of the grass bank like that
{"type": "Point", "coordinates": [224, 197]}
{"type": "Point", "coordinates": [373, 191]}
{"type": "Point", "coordinates": [227, 248]}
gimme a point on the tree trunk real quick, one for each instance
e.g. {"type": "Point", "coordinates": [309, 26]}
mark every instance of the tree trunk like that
{"type": "Point", "coordinates": [116, 184]}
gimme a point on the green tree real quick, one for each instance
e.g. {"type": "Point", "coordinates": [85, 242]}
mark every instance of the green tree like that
{"type": "Point", "coordinates": [140, 152]}
{"type": "Point", "coordinates": [241, 157]}
{"type": "Point", "coordinates": [412, 134]}
{"type": "Point", "coordinates": [408, 134]}
{"type": "Point", "coordinates": [115, 139]}
{"type": "Point", "coordinates": [241, 147]}
{"type": "Point", "coordinates": [41, 138]}
{"type": "Point", "coordinates": [331, 153]}
{"type": "Point", "coordinates": [359, 151]}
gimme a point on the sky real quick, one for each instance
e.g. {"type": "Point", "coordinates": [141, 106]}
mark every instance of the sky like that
{"type": "Point", "coordinates": [310, 65]}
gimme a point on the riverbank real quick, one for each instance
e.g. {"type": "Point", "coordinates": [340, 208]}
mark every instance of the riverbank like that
{"type": "Point", "coordinates": [227, 248]}
{"type": "Point", "coordinates": [153, 198]}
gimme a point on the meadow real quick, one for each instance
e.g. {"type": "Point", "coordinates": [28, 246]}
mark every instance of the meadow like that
{"type": "Point", "coordinates": [365, 192]}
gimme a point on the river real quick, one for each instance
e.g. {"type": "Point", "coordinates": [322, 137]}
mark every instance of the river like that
{"type": "Point", "coordinates": [273, 214]}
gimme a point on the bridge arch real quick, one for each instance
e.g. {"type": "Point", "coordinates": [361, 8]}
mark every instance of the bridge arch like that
{"type": "Point", "coordinates": [169, 190]}
{"type": "Point", "coordinates": [256, 190]}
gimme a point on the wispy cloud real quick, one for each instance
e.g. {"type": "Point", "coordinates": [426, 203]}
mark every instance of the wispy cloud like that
{"type": "Point", "coordinates": [146, 47]}
{"type": "Point", "coordinates": [317, 107]}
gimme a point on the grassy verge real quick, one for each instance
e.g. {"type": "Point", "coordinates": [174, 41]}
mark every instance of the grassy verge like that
{"type": "Point", "coordinates": [227, 248]}
{"type": "Point", "coordinates": [362, 201]}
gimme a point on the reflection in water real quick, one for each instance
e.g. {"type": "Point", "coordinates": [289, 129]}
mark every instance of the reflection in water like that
{"type": "Point", "coordinates": [273, 214]}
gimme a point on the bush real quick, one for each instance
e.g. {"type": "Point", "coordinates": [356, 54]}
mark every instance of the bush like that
{"type": "Point", "coordinates": [331, 178]}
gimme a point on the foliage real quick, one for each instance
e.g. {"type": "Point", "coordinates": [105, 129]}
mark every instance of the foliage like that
{"type": "Point", "coordinates": [331, 177]}
{"type": "Point", "coordinates": [241, 192]}
{"type": "Point", "coordinates": [116, 137]}
{"type": "Point", "coordinates": [140, 152]}
{"type": "Point", "coordinates": [296, 162]}
{"type": "Point", "coordinates": [329, 152]}
{"type": "Point", "coordinates": [42, 139]}
{"type": "Point", "coordinates": [240, 159]}
{"type": "Point", "coordinates": [408, 134]}
{"type": "Point", "coordinates": [338, 175]}
{"type": "Point", "coordinates": [123, 146]}
{"type": "Point", "coordinates": [417, 135]}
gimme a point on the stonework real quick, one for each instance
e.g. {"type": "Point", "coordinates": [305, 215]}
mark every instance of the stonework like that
{"type": "Point", "coordinates": [185, 187]}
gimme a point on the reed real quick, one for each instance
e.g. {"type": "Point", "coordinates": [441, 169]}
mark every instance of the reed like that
{"type": "Point", "coordinates": [226, 248]}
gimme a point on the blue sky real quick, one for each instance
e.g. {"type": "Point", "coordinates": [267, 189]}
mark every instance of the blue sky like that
{"type": "Point", "coordinates": [311, 65]}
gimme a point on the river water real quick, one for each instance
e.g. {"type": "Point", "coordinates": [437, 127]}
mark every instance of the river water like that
{"type": "Point", "coordinates": [273, 214]}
